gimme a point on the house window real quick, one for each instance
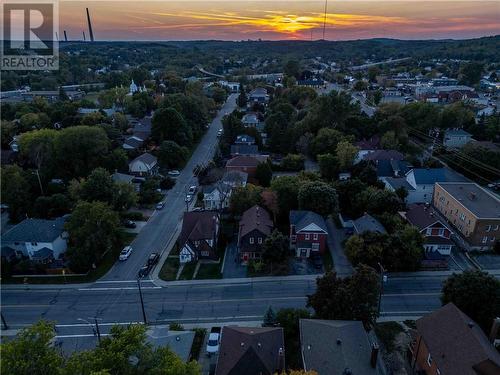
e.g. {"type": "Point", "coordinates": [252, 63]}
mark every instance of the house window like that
{"type": "Point", "coordinates": [429, 359]}
{"type": "Point", "coordinates": [251, 240]}
{"type": "Point", "coordinates": [441, 232]}
{"type": "Point", "coordinates": [308, 236]}
{"type": "Point", "coordinates": [429, 231]}
{"type": "Point", "coordinates": [488, 228]}
{"type": "Point", "coordinates": [259, 240]}
{"type": "Point", "coordinates": [462, 217]}
{"type": "Point", "coordinates": [485, 239]}
{"type": "Point", "coordinates": [496, 227]}
{"type": "Point", "coordinates": [315, 236]}
{"type": "Point", "coordinates": [205, 253]}
{"type": "Point", "coordinates": [33, 244]}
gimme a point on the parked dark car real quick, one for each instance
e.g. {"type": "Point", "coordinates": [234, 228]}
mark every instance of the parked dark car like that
{"type": "Point", "coordinates": [153, 259]}
{"type": "Point", "coordinates": [129, 224]}
{"type": "Point", "coordinates": [144, 271]}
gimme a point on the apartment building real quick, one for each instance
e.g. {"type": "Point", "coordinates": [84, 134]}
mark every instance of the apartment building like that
{"type": "Point", "coordinates": [472, 211]}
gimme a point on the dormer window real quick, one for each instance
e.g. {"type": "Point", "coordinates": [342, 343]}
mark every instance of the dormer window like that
{"type": "Point", "coordinates": [252, 240]}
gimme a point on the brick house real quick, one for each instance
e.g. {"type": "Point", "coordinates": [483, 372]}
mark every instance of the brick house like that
{"type": "Point", "coordinates": [437, 244]}
{"type": "Point", "coordinates": [246, 164]}
{"type": "Point", "coordinates": [255, 226]}
{"type": "Point", "coordinates": [448, 342]}
{"type": "Point", "coordinates": [308, 233]}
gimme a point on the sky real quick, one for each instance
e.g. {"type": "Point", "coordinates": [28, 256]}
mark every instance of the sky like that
{"type": "Point", "coordinates": [280, 20]}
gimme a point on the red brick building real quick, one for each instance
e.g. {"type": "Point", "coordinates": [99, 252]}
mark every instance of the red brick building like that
{"type": "Point", "coordinates": [308, 233]}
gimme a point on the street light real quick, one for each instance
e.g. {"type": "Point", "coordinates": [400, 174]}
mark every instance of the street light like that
{"type": "Point", "coordinates": [383, 279]}
{"type": "Point", "coordinates": [39, 180]}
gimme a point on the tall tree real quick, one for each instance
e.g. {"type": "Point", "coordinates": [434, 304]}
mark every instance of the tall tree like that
{"type": "Point", "coordinates": [31, 352]}
{"type": "Point", "coordinates": [168, 124]}
{"type": "Point", "coordinates": [476, 293]}
{"type": "Point", "coordinates": [264, 173]}
{"type": "Point", "coordinates": [345, 153]}
{"type": "Point", "coordinates": [351, 298]}
{"type": "Point", "coordinates": [93, 230]}
{"type": "Point", "coordinates": [319, 197]}
{"type": "Point", "coordinates": [16, 192]}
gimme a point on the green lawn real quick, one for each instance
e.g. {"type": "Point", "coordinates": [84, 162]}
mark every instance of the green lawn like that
{"type": "Point", "coordinates": [188, 271]}
{"type": "Point", "coordinates": [209, 271]}
{"type": "Point", "coordinates": [169, 269]}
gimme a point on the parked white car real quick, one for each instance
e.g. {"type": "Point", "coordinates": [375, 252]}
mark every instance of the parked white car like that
{"type": "Point", "coordinates": [213, 341]}
{"type": "Point", "coordinates": [192, 190]}
{"type": "Point", "coordinates": [174, 173]}
{"type": "Point", "coordinates": [125, 253]}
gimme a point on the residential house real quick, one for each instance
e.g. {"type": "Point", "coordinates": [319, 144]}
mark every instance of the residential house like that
{"type": "Point", "coordinates": [473, 211]}
{"type": "Point", "coordinates": [132, 143]}
{"type": "Point", "coordinates": [38, 239]}
{"type": "Point", "coordinates": [217, 196]}
{"type": "Point", "coordinates": [250, 120]}
{"type": "Point", "coordinates": [245, 163]}
{"type": "Point", "coordinates": [366, 146]}
{"type": "Point", "coordinates": [144, 165]}
{"type": "Point", "coordinates": [248, 150]}
{"type": "Point", "coordinates": [231, 86]}
{"type": "Point", "coordinates": [251, 351]}
{"type": "Point", "coordinates": [255, 226]}
{"type": "Point", "coordinates": [199, 234]}
{"type": "Point", "coordinates": [244, 139]}
{"type": "Point", "coordinates": [258, 95]}
{"type": "Point", "coordinates": [420, 182]}
{"type": "Point", "coordinates": [368, 223]}
{"type": "Point", "coordinates": [313, 82]}
{"type": "Point", "coordinates": [378, 155]}
{"type": "Point", "coordinates": [235, 179]}
{"type": "Point", "coordinates": [338, 347]}
{"type": "Point", "coordinates": [127, 179]}
{"type": "Point", "coordinates": [391, 168]}
{"type": "Point", "coordinates": [449, 342]}
{"type": "Point", "coordinates": [437, 244]}
{"type": "Point", "coordinates": [456, 138]}
{"type": "Point", "coordinates": [308, 233]}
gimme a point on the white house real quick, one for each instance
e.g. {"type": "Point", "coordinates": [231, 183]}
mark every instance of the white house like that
{"type": "Point", "coordinates": [419, 182]}
{"type": "Point", "coordinates": [232, 86]}
{"type": "Point", "coordinates": [39, 239]}
{"type": "Point", "coordinates": [456, 138]}
{"type": "Point", "coordinates": [217, 197]}
{"type": "Point", "coordinates": [144, 165]}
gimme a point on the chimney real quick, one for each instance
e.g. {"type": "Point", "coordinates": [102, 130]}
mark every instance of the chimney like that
{"type": "Point", "coordinates": [495, 329]}
{"type": "Point", "coordinates": [472, 196]}
{"type": "Point", "coordinates": [374, 355]}
{"type": "Point", "coordinates": [91, 34]}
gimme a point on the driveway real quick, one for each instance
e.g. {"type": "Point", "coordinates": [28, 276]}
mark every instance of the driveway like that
{"type": "Point", "coordinates": [340, 262]}
{"type": "Point", "coordinates": [232, 268]}
{"type": "Point", "coordinates": [161, 226]}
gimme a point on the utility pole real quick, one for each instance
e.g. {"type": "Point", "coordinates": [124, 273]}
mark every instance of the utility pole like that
{"type": "Point", "coordinates": [383, 278]}
{"type": "Point", "coordinates": [142, 301]}
{"type": "Point", "coordinates": [97, 330]}
{"type": "Point", "coordinates": [4, 323]}
{"type": "Point", "coordinates": [324, 21]}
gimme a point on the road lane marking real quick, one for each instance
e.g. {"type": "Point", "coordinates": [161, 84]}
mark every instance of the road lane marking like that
{"type": "Point", "coordinates": [122, 281]}
{"type": "Point", "coordinates": [23, 306]}
{"type": "Point", "coordinates": [409, 294]}
{"type": "Point", "coordinates": [123, 288]}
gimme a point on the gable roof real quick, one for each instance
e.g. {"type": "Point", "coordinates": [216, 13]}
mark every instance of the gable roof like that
{"type": "Point", "coordinates": [302, 219]}
{"type": "Point", "coordinates": [147, 159]}
{"type": "Point", "coordinates": [456, 343]}
{"type": "Point", "coordinates": [35, 230]}
{"type": "Point", "coordinates": [369, 144]}
{"type": "Point", "coordinates": [122, 177]}
{"type": "Point", "coordinates": [384, 155]}
{"type": "Point", "coordinates": [198, 225]}
{"type": "Point", "coordinates": [250, 118]}
{"type": "Point", "coordinates": [250, 351]}
{"type": "Point", "coordinates": [322, 352]}
{"type": "Point", "coordinates": [244, 139]}
{"type": "Point", "coordinates": [243, 149]}
{"type": "Point", "coordinates": [368, 223]}
{"type": "Point", "coordinates": [456, 133]}
{"type": "Point", "coordinates": [235, 177]}
{"type": "Point", "coordinates": [255, 218]}
{"type": "Point", "coordinates": [427, 176]}
{"type": "Point", "coordinates": [389, 168]}
{"type": "Point", "coordinates": [246, 161]}
{"type": "Point", "coordinates": [422, 216]}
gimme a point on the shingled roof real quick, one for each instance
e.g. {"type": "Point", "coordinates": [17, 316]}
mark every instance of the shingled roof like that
{"type": "Point", "coordinates": [302, 219]}
{"type": "Point", "coordinates": [421, 215]}
{"type": "Point", "coordinates": [198, 225]}
{"type": "Point", "coordinates": [255, 218]}
{"type": "Point", "coordinates": [456, 343]}
{"type": "Point", "coordinates": [35, 230]}
{"type": "Point", "coordinates": [251, 351]}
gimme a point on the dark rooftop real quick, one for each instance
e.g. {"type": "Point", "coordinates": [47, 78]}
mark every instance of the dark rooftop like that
{"type": "Point", "coordinates": [35, 230]}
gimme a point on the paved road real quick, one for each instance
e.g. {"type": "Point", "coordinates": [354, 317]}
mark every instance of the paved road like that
{"type": "Point", "coordinates": [192, 303]}
{"type": "Point", "coordinates": [159, 230]}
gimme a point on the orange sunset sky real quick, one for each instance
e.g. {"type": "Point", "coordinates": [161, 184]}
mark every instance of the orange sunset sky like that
{"type": "Point", "coordinates": [279, 19]}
